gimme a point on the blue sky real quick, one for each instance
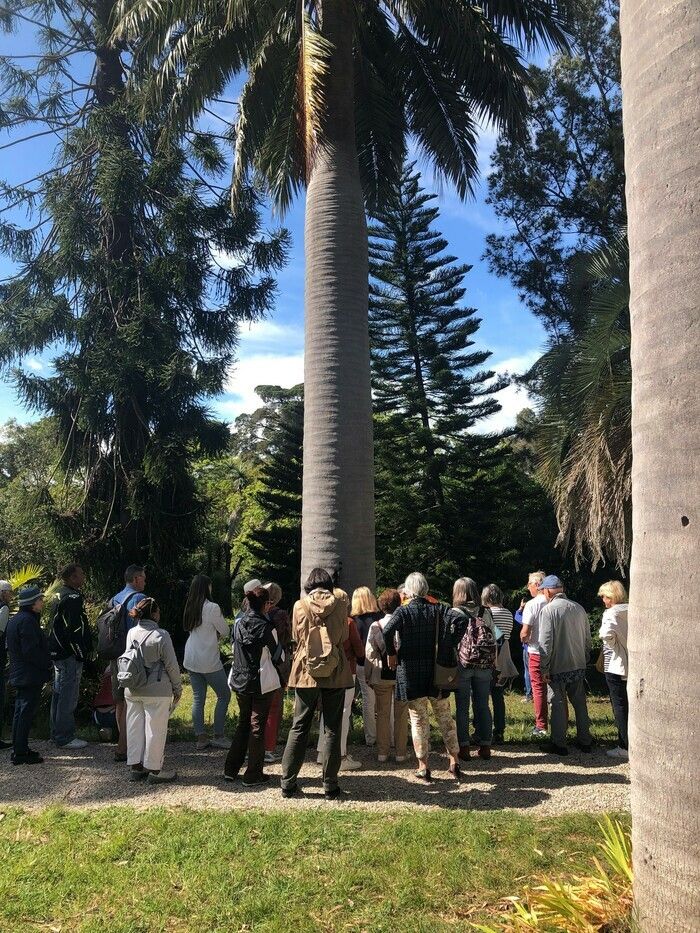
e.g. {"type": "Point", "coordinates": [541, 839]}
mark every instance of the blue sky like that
{"type": "Point", "coordinates": [271, 351]}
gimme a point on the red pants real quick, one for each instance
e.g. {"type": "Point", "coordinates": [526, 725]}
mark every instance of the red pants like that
{"type": "Point", "coordinates": [274, 718]}
{"type": "Point", "coordinates": [539, 692]}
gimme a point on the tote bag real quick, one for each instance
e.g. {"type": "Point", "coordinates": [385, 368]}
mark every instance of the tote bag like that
{"type": "Point", "coordinates": [269, 678]}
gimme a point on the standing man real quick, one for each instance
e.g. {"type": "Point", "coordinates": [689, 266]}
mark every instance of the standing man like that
{"type": "Point", "coordinates": [565, 647]}
{"type": "Point", "coordinates": [30, 669]}
{"type": "Point", "coordinates": [529, 636]}
{"type": "Point", "coordinates": [133, 593]}
{"type": "Point", "coordinates": [5, 599]}
{"type": "Point", "coordinates": [70, 644]}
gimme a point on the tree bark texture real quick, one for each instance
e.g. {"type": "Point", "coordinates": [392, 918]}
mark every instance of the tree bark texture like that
{"type": "Point", "coordinates": [338, 488]}
{"type": "Point", "coordinates": [661, 112]}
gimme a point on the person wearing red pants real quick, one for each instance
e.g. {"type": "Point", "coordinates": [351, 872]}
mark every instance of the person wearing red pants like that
{"type": "Point", "coordinates": [280, 619]}
{"type": "Point", "coordinates": [528, 636]}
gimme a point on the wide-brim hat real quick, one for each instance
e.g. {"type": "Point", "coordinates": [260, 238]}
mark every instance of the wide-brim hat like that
{"type": "Point", "coordinates": [28, 595]}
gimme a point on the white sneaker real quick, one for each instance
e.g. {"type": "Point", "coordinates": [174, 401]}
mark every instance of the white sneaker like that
{"type": "Point", "coordinates": [618, 752]}
{"type": "Point", "coordinates": [220, 743]}
{"type": "Point", "coordinates": [399, 759]}
{"type": "Point", "coordinates": [271, 758]}
{"type": "Point", "coordinates": [382, 758]}
{"type": "Point", "coordinates": [163, 777]}
{"type": "Point", "coordinates": [75, 743]}
{"type": "Point", "coordinates": [319, 759]}
{"type": "Point", "coordinates": [350, 764]}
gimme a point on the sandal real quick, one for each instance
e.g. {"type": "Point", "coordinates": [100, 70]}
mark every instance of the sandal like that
{"type": "Point", "coordinates": [423, 774]}
{"type": "Point", "coordinates": [455, 770]}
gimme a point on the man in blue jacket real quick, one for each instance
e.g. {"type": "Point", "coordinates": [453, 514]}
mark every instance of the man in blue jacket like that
{"type": "Point", "coordinates": [30, 669]}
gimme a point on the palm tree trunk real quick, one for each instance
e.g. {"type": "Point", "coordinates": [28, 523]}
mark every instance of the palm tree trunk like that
{"type": "Point", "coordinates": [338, 490]}
{"type": "Point", "coordinates": [661, 94]}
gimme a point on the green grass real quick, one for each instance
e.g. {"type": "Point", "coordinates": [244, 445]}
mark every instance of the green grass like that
{"type": "Point", "coordinates": [326, 869]}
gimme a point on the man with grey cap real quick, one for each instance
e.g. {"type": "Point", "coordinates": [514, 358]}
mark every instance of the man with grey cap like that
{"type": "Point", "coordinates": [30, 669]}
{"type": "Point", "coordinates": [5, 599]}
{"type": "Point", "coordinates": [565, 647]}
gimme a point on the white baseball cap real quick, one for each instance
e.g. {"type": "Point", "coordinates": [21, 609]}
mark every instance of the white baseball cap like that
{"type": "Point", "coordinates": [252, 585]}
{"type": "Point", "coordinates": [5, 586]}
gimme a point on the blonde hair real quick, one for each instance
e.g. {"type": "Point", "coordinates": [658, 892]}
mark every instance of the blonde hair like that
{"type": "Point", "coordinates": [363, 600]}
{"type": "Point", "coordinates": [614, 591]}
{"type": "Point", "coordinates": [537, 576]}
{"type": "Point", "coordinates": [464, 591]}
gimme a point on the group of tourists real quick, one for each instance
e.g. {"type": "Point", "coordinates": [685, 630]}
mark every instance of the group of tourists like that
{"type": "Point", "coordinates": [407, 652]}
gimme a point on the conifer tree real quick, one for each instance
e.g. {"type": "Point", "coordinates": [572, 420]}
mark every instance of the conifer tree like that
{"type": "Point", "coordinates": [117, 277]}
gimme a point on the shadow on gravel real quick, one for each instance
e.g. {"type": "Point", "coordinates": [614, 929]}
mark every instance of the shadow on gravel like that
{"type": "Point", "coordinates": [516, 777]}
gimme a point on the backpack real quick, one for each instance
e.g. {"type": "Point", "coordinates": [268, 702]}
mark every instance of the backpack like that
{"type": "Point", "coordinates": [478, 645]}
{"type": "Point", "coordinates": [131, 666]}
{"type": "Point", "coordinates": [322, 657]}
{"type": "Point", "coordinates": [111, 632]}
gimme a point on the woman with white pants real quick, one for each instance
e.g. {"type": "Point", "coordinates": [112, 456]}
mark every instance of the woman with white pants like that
{"type": "Point", "coordinates": [148, 710]}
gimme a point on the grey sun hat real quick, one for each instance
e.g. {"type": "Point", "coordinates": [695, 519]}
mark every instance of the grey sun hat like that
{"type": "Point", "coordinates": [28, 595]}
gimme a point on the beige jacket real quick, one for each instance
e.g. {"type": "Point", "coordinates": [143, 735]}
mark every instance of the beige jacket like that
{"type": "Point", "coordinates": [333, 610]}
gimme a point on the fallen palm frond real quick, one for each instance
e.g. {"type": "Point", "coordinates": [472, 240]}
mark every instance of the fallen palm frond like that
{"type": "Point", "coordinates": [597, 903]}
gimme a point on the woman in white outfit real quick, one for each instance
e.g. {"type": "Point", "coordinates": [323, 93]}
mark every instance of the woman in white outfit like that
{"type": "Point", "coordinates": [613, 634]}
{"type": "Point", "coordinates": [206, 625]}
{"type": "Point", "coordinates": [148, 710]}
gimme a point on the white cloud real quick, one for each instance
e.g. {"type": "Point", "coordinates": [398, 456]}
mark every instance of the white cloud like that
{"type": "Point", "coordinates": [35, 364]}
{"type": "Point", "coordinates": [257, 369]}
{"type": "Point", "coordinates": [269, 335]}
{"type": "Point", "coordinates": [513, 398]}
{"type": "Point", "coordinates": [517, 365]}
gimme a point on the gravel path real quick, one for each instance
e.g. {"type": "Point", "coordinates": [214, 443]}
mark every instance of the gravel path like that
{"type": "Point", "coordinates": [516, 777]}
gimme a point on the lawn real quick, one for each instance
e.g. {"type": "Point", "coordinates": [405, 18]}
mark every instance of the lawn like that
{"type": "Point", "coordinates": [326, 870]}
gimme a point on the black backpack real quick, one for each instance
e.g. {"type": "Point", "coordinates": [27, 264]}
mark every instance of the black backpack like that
{"type": "Point", "coordinates": [111, 631]}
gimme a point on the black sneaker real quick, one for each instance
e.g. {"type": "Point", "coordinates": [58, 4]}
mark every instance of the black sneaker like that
{"type": "Point", "coordinates": [586, 749]}
{"type": "Point", "coordinates": [553, 749]}
{"type": "Point", "coordinates": [231, 777]}
{"type": "Point", "coordinates": [336, 794]}
{"type": "Point", "coordinates": [288, 792]}
{"type": "Point", "coordinates": [4, 744]}
{"type": "Point", "coordinates": [256, 781]}
{"type": "Point", "coordinates": [498, 739]}
{"type": "Point", "coordinates": [31, 758]}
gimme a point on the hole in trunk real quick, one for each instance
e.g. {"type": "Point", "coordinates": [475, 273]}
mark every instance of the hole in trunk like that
{"type": "Point", "coordinates": [685, 521]}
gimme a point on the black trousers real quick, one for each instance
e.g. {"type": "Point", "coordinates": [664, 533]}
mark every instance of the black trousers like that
{"type": "Point", "coordinates": [249, 735]}
{"type": "Point", "coordinates": [305, 703]}
{"type": "Point", "coordinates": [26, 705]}
{"type": "Point", "coordinates": [617, 688]}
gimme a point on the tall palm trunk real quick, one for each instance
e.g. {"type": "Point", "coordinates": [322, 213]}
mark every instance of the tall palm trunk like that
{"type": "Point", "coordinates": [661, 97]}
{"type": "Point", "coordinates": [338, 490]}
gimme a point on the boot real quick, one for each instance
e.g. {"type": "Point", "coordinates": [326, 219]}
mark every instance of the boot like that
{"type": "Point", "coordinates": [464, 754]}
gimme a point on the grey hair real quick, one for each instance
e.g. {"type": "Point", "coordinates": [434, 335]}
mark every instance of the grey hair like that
{"type": "Point", "coordinates": [492, 595]}
{"type": "Point", "coordinates": [416, 585]}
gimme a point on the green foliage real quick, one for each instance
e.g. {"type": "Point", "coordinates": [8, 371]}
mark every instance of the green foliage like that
{"type": "Point", "coordinates": [119, 281]}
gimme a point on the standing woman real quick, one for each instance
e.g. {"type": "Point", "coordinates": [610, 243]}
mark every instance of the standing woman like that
{"type": "Point", "coordinates": [392, 714]}
{"type": "Point", "coordinates": [474, 676]}
{"type": "Point", "coordinates": [148, 708]}
{"type": "Point", "coordinates": [206, 625]}
{"type": "Point", "coordinates": [418, 634]}
{"type": "Point", "coordinates": [613, 634]}
{"type": "Point", "coordinates": [280, 620]}
{"type": "Point", "coordinates": [252, 633]}
{"type": "Point", "coordinates": [505, 670]}
{"type": "Point", "coordinates": [365, 611]}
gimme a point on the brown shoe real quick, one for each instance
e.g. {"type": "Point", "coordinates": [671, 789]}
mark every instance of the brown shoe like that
{"type": "Point", "coordinates": [464, 753]}
{"type": "Point", "coordinates": [484, 752]}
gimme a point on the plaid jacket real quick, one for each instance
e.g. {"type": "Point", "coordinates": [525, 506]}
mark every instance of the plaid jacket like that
{"type": "Point", "coordinates": [410, 633]}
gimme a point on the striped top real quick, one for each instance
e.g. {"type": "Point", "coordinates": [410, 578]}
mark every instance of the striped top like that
{"type": "Point", "coordinates": [504, 620]}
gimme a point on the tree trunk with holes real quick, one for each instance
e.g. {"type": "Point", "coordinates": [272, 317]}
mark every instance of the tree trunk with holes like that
{"type": "Point", "coordinates": [338, 488]}
{"type": "Point", "coordinates": [661, 97]}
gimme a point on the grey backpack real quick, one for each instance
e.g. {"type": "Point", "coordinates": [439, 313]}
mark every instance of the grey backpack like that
{"type": "Point", "coordinates": [132, 672]}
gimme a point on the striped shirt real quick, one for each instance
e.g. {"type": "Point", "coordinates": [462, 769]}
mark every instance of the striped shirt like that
{"type": "Point", "coordinates": [504, 620]}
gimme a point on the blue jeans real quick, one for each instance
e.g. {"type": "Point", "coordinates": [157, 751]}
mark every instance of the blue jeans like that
{"type": "Point", "coordinates": [526, 673]}
{"type": "Point", "coordinates": [26, 705]}
{"type": "Point", "coordinates": [476, 683]}
{"type": "Point", "coordinates": [66, 689]}
{"type": "Point", "coordinates": [218, 681]}
{"type": "Point", "coordinates": [499, 707]}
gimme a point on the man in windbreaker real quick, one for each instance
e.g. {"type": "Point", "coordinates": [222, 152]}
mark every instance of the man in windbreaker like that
{"type": "Point", "coordinates": [70, 643]}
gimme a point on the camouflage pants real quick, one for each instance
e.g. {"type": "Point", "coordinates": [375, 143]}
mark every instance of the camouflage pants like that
{"type": "Point", "coordinates": [419, 713]}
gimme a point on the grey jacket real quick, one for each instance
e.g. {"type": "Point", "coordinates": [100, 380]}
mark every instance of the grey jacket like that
{"type": "Point", "coordinates": [164, 678]}
{"type": "Point", "coordinates": [564, 636]}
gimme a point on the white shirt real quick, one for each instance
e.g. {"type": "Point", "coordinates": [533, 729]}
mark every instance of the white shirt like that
{"type": "Point", "coordinates": [531, 617]}
{"type": "Point", "coordinates": [613, 634]}
{"type": "Point", "coordinates": [4, 617]}
{"type": "Point", "coordinates": [202, 647]}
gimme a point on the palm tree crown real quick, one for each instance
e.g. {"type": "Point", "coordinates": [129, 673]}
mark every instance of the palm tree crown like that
{"type": "Point", "coordinates": [431, 68]}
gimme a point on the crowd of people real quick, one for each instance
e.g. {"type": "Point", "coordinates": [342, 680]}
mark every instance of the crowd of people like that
{"type": "Point", "coordinates": [405, 650]}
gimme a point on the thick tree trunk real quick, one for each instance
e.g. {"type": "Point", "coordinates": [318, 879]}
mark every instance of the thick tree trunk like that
{"type": "Point", "coordinates": [661, 97]}
{"type": "Point", "coordinates": [338, 491]}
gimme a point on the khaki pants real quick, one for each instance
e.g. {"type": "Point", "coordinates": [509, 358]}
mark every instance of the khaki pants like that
{"type": "Point", "coordinates": [384, 699]}
{"type": "Point", "coordinates": [419, 713]}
